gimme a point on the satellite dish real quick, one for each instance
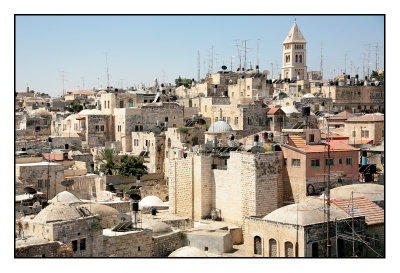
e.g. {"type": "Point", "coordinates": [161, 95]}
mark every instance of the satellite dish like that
{"type": "Point", "coordinates": [224, 67]}
{"type": "Point", "coordinates": [124, 217]}
{"type": "Point", "coordinates": [67, 183]}
{"type": "Point", "coordinates": [37, 207]}
{"type": "Point", "coordinates": [266, 72]}
{"type": "Point", "coordinates": [30, 190]}
{"type": "Point", "coordinates": [25, 210]}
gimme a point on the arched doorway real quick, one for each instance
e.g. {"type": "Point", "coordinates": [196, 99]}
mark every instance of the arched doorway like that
{"type": "Point", "coordinates": [273, 249]}
{"type": "Point", "coordinates": [289, 249]}
{"type": "Point", "coordinates": [257, 245]}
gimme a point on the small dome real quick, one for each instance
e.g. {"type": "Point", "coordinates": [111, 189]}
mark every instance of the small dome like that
{"type": "Point", "coordinates": [157, 227]}
{"type": "Point", "coordinates": [188, 251]}
{"type": "Point", "coordinates": [109, 215]}
{"type": "Point", "coordinates": [88, 112]}
{"type": "Point", "coordinates": [220, 127]}
{"type": "Point", "coordinates": [58, 211]}
{"type": "Point", "coordinates": [308, 95]}
{"type": "Point", "coordinates": [65, 197]}
{"type": "Point", "coordinates": [40, 112]}
{"type": "Point", "coordinates": [151, 201]}
{"type": "Point", "coordinates": [373, 192]}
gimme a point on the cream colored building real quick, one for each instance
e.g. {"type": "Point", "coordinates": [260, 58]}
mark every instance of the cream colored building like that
{"type": "Point", "coordinates": [364, 128]}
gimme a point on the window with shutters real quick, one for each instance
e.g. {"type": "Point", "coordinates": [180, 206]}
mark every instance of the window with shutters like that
{"type": "Point", "coordinates": [289, 249]}
{"type": "Point", "coordinates": [349, 161]}
{"type": "Point", "coordinates": [273, 249]}
{"type": "Point", "coordinates": [130, 103]}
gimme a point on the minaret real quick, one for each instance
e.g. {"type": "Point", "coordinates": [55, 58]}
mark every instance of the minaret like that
{"type": "Point", "coordinates": [294, 55]}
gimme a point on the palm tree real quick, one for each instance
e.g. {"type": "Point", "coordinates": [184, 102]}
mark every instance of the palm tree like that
{"type": "Point", "coordinates": [108, 162]}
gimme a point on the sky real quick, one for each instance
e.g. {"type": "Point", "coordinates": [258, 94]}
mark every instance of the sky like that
{"type": "Point", "coordinates": [139, 48]}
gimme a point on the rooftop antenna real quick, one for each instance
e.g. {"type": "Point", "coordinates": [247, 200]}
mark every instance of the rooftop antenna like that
{"type": "Point", "coordinates": [363, 65]}
{"type": "Point", "coordinates": [232, 62]}
{"type": "Point", "coordinates": [83, 82]}
{"type": "Point", "coordinates": [239, 54]}
{"type": "Point", "coordinates": [198, 66]}
{"type": "Point", "coordinates": [376, 57]}
{"type": "Point", "coordinates": [245, 52]}
{"type": "Point", "coordinates": [258, 52]}
{"type": "Point", "coordinates": [108, 75]}
{"type": "Point", "coordinates": [345, 62]}
{"type": "Point", "coordinates": [369, 58]}
{"type": "Point", "coordinates": [63, 81]}
{"type": "Point", "coordinates": [272, 70]}
{"type": "Point", "coordinates": [320, 64]}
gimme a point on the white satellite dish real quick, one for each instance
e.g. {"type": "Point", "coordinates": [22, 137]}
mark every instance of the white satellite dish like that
{"type": "Point", "coordinates": [124, 217]}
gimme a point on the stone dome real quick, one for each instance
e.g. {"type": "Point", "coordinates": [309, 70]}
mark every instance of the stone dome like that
{"type": "Point", "coordinates": [220, 127]}
{"type": "Point", "coordinates": [58, 211]}
{"type": "Point", "coordinates": [157, 227]}
{"type": "Point", "coordinates": [88, 112]}
{"type": "Point", "coordinates": [151, 201]}
{"type": "Point", "coordinates": [304, 213]}
{"type": "Point", "coordinates": [109, 215]}
{"type": "Point", "coordinates": [308, 95]}
{"type": "Point", "coordinates": [373, 192]}
{"type": "Point", "coordinates": [188, 251]}
{"type": "Point", "coordinates": [66, 197]}
{"type": "Point", "coordinates": [40, 112]}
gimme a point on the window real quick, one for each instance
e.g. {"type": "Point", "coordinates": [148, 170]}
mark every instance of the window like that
{"type": "Point", "coordinates": [75, 245]}
{"type": "Point", "coordinates": [329, 161]}
{"type": "Point", "coordinates": [349, 161]}
{"type": "Point", "coordinates": [105, 105]}
{"type": "Point", "coordinates": [228, 120]}
{"type": "Point", "coordinates": [97, 127]}
{"type": "Point", "coordinates": [216, 119]}
{"type": "Point", "coordinates": [340, 161]}
{"type": "Point", "coordinates": [205, 108]}
{"type": "Point", "coordinates": [130, 103]}
{"type": "Point", "coordinates": [257, 245]}
{"type": "Point", "coordinates": [233, 94]}
{"type": "Point", "coordinates": [136, 128]}
{"type": "Point", "coordinates": [82, 244]}
{"type": "Point", "coordinates": [108, 104]}
{"type": "Point", "coordinates": [206, 248]}
{"type": "Point", "coordinates": [75, 126]}
{"type": "Point", "coordinates": [138, 248]}
{"type": "Point", "coordinates": [273, 249]}
{"type": "Point", "coordinates": [311, 137]}
{"type": "Point", "coordinates": [337, 126]}
{"type": "Point", "coordinates": [315, 163]}
{"type": "Point", "coordinates": [248, 87]}
{"type": "Point", "coordinates": [249, 122]}
{"type": "Point", "coordinates": [295, 162]}
{"type": "Point", "coordinates": [297, 60]}
{"type": "Point", "coordinates": [301, 59]}
{"type": "Point", "coordinates": [121, 104]}
{"type": "Point", "coordinates": [289, 249]}
{"type": "Point", "coordinates": [314, 252]}
{"type": "Point", "coordinates": [365, 134]}
{"type": "Point", "coordinates": [284, 161]}
{"type": "Point", "coordinates": [236, 120]}
{"type": "Point", "coordinates": [40, 183]}
{"type": "Point", "coordinates": [102, 128]}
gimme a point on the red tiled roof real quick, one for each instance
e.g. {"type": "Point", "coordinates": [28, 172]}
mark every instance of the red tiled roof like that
{"type": "Point", "coordinates": [274, 111]}
{"type": "Point", "coordinates": [334, 136]}
{"type": "Point", "coordinates": [299, 143]}
{"type": "Point", "coordinates": [342, 115]}
{"type": "Point", "coordinates": [374, 215]}
{"type": "Point", "coordinates": [55, 156]}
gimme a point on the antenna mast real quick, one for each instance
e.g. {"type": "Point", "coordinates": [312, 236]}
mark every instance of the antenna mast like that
{"type": "Point", "coordinates": [258, 53]}
{"type": "Point", "coordinates": [108, 75]}
{"type": "Point", "coordinates": [320, 65]}
{"type": "Point", "coordinates": [198, 66]}
{"type": "Point", "coordinates": [377, 57]}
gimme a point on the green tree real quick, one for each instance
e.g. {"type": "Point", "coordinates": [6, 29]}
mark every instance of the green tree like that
{"type": "Point", "coordinates": [131, 166]}
{"type": "Point", "coordinates": [379, 77]}
{"type": "Point", "coordinates": [108, 162]}
{"type": "Point", "coordinates": [186, 82]}
{"type": "Point", "coordinates": [77, 107]}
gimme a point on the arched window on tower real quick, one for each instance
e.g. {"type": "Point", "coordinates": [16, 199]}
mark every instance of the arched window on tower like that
{"type": "Point", "coordinates": [257, 245]}
{"type": "Point", "coordinates": [297, 60]}
{"type": "Point", "coordinates": [301, 59]}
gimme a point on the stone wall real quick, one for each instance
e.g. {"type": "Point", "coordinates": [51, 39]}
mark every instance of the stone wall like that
{"type": "Point", "coordinates": [216, 242]}
{"type": "Point", "coordinates": [165, 244]}
{"type": "Point", "coordinates": [49, 249]}
{"type": "Point", "coordinates": [127, 244]}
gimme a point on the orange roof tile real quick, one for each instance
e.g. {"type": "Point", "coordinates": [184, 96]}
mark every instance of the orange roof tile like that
{"type": "Point", "coordinates": [299, 143]}
{"type": "Point", "coordinates": [274, 111]}
{"type": "Point", "coordinates": [342, 115]}
{"type": "Point", "coordinates": [374, 215]}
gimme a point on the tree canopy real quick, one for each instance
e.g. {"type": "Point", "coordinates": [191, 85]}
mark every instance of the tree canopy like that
{"type": "Point", "coordinates": [185, 82]}
{"type": "Point", "coordinates": [378, 76]}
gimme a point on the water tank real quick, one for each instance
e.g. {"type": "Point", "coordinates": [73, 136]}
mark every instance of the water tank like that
{"type": "Point", "coordinates": [49, 139]}
{"type": "Point", "coordinates": [110, 187]}
{"type": "Point", "coordinates": [364, 160]}
{"type": "Point", "coordinates": [153, 211]}
{"type": "Point", "coordinates": [305, 110]}
{"type": "Point", "coordinates": [44, 204]}
{"type": "Point", "coordinates": [65, 156]}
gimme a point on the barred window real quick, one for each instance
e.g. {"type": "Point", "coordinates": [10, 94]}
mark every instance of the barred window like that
{"type": "Point", "coordinates": [295, 162]}
{"type": "Point", "coordinates": [315, 163]}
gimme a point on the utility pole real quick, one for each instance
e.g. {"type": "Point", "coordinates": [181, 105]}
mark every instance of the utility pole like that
{"type": "Point", "coordinates": [258, 53]}
{"type": "Point", "coordinates": [352, 222]}
{"type": "Point", "coordinates": [328, 240]}
{"type": "Point", "coordinates": [198, 66]}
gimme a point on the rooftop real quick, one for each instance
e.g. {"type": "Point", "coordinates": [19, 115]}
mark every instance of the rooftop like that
{"type": "Point", "coordinates": [368, 117]}
{"type": "Point", "coordinates": [299, 143]}
{"type": "Point", "coordinates": [220, 127]}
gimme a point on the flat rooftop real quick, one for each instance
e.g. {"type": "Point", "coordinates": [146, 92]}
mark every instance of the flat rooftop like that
{"type": "Point", "coordinates": [44, 163]}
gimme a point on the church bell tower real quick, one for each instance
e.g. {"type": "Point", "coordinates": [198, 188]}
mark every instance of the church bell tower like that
{"type": "Point", "coordinates": [294, 55]}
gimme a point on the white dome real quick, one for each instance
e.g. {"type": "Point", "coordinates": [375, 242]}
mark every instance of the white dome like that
{"type": "Point", "coordinates": [188, 251]}
{"type": "Point", "coordinates": [289, 109]}
{"type": "Point", "coordinates": [65, 197]}
{"type": "Point", "coordinates": [220, 127]}
{"type": "Point", "coordinates": [157, 227]}
{"type": "Point", "coordinates": [151, 201]}
{"type": "Point", "coordinates": [373, 192]}
{"type": "Point", "coordinates": [87, 112]}
{"type": "Point", "coordinates": [308, 95]}
{"type": "Point", "coordinates": [40, 112]}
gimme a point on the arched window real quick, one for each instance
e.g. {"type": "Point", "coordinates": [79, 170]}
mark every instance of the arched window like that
{"type": "Point", "coordinates": [297, 59]}
{"type": "Point", "coordinates": [130, 103]}
{"type": "Point", "coordinates": [169, 143]}
{"type": "Point", "coordinates": [273, 249]}
{"type": "Point", "coordinates": [288, 249]}
{"type": "Point", "coordinates": [257, 245]}
{"type": "Point", "coordinates": [300, 58]}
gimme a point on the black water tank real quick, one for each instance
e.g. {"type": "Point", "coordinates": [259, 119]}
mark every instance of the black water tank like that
{"type": "Point", "coordinates": [356, 76]}
{"type": "Point", "coordinates": [163, 92]}
{"type": "Point", "coordinates": [232, 137]}
{"type": "Point", "coordinates": [265, 135]}
{"type": "Point", "coordinates": [23, 149]}
{"type": "Point", "coordinates": [44, 204]}
{"type": "Point", "coordinates": [256, 138]}
{"type": "Point", "coordinates": [225, 93]}
{"type": "Point", "coordinates": [50, 140]}
{"type": "Point", "coordinates": [153, 211]}
{"type": "Point", "coordinates": [305, 110]}
{"type": "Point", "coordinates": [135, 206]}
{"type": "Point", "coordinates": [166, 119]}
{"type": "Point", "coordinates": [37, 128]}
{"type": "Point", "coordinates": [110, 187]}
{"type": "Point", "coordinates": [364, 153]}
{"type": "Point", "coordinates": [271, 136]}
{"type": "Point", "coordinates": [65, 156]}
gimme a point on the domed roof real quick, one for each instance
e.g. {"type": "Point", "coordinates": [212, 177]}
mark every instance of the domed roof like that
{"type": "Point", "coordinates": [151, 201]}
{"type": "Point", "coordinates": [289, 109]}
{"type": "Point", "coordinates": [157, 227]}
{"type": "Point", "coordinates": [71, 116]}
{"type": "Point", "coordinates": [373, 192]}
{"type": "Point", "coordinates": [109, 215]}
{"type": "Point", "coordinates": [58, 211]}
{"type": "Point", "coordinates": [220, 127]}
{"type": "Point", "coordinates": [304, 213]}
{"type": "Point", "coordinates": [88, 112]}
{"type": "Point", "coordinates": [308, 95]}
{"type": "Point", "coordinates": [40, 112]}
{"type": "Point", "coordinates": [188, 251]}
{"type": "Point", "coordinates": [65, 197]}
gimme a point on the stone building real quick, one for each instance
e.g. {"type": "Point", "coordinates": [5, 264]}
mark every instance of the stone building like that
{"type": "Point", "coordinates": [294, 55]}
{"type": "Point", "coordinates": [128, 120]}
{"type": "Point", "coordinates": [249, 89]}
{"type": "Point", "coordinates": [306, 163]}
{"type": "Point", "coordinates": [232, 185]}
{"type": "Point", "coordinates": [37, 123]}
{"type": "Point", "coordinates": [365, 128]}
{"type": "Point", "coordinates": [45, 177]}
{"type": "Point", "coordinates": [110, 101]}
{"type": "Point", "coordinates": [299, 230]}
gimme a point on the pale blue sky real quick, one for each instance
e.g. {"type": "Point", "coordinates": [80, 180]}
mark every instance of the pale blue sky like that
{"type": "Point", "coordinates": [140, 48]}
